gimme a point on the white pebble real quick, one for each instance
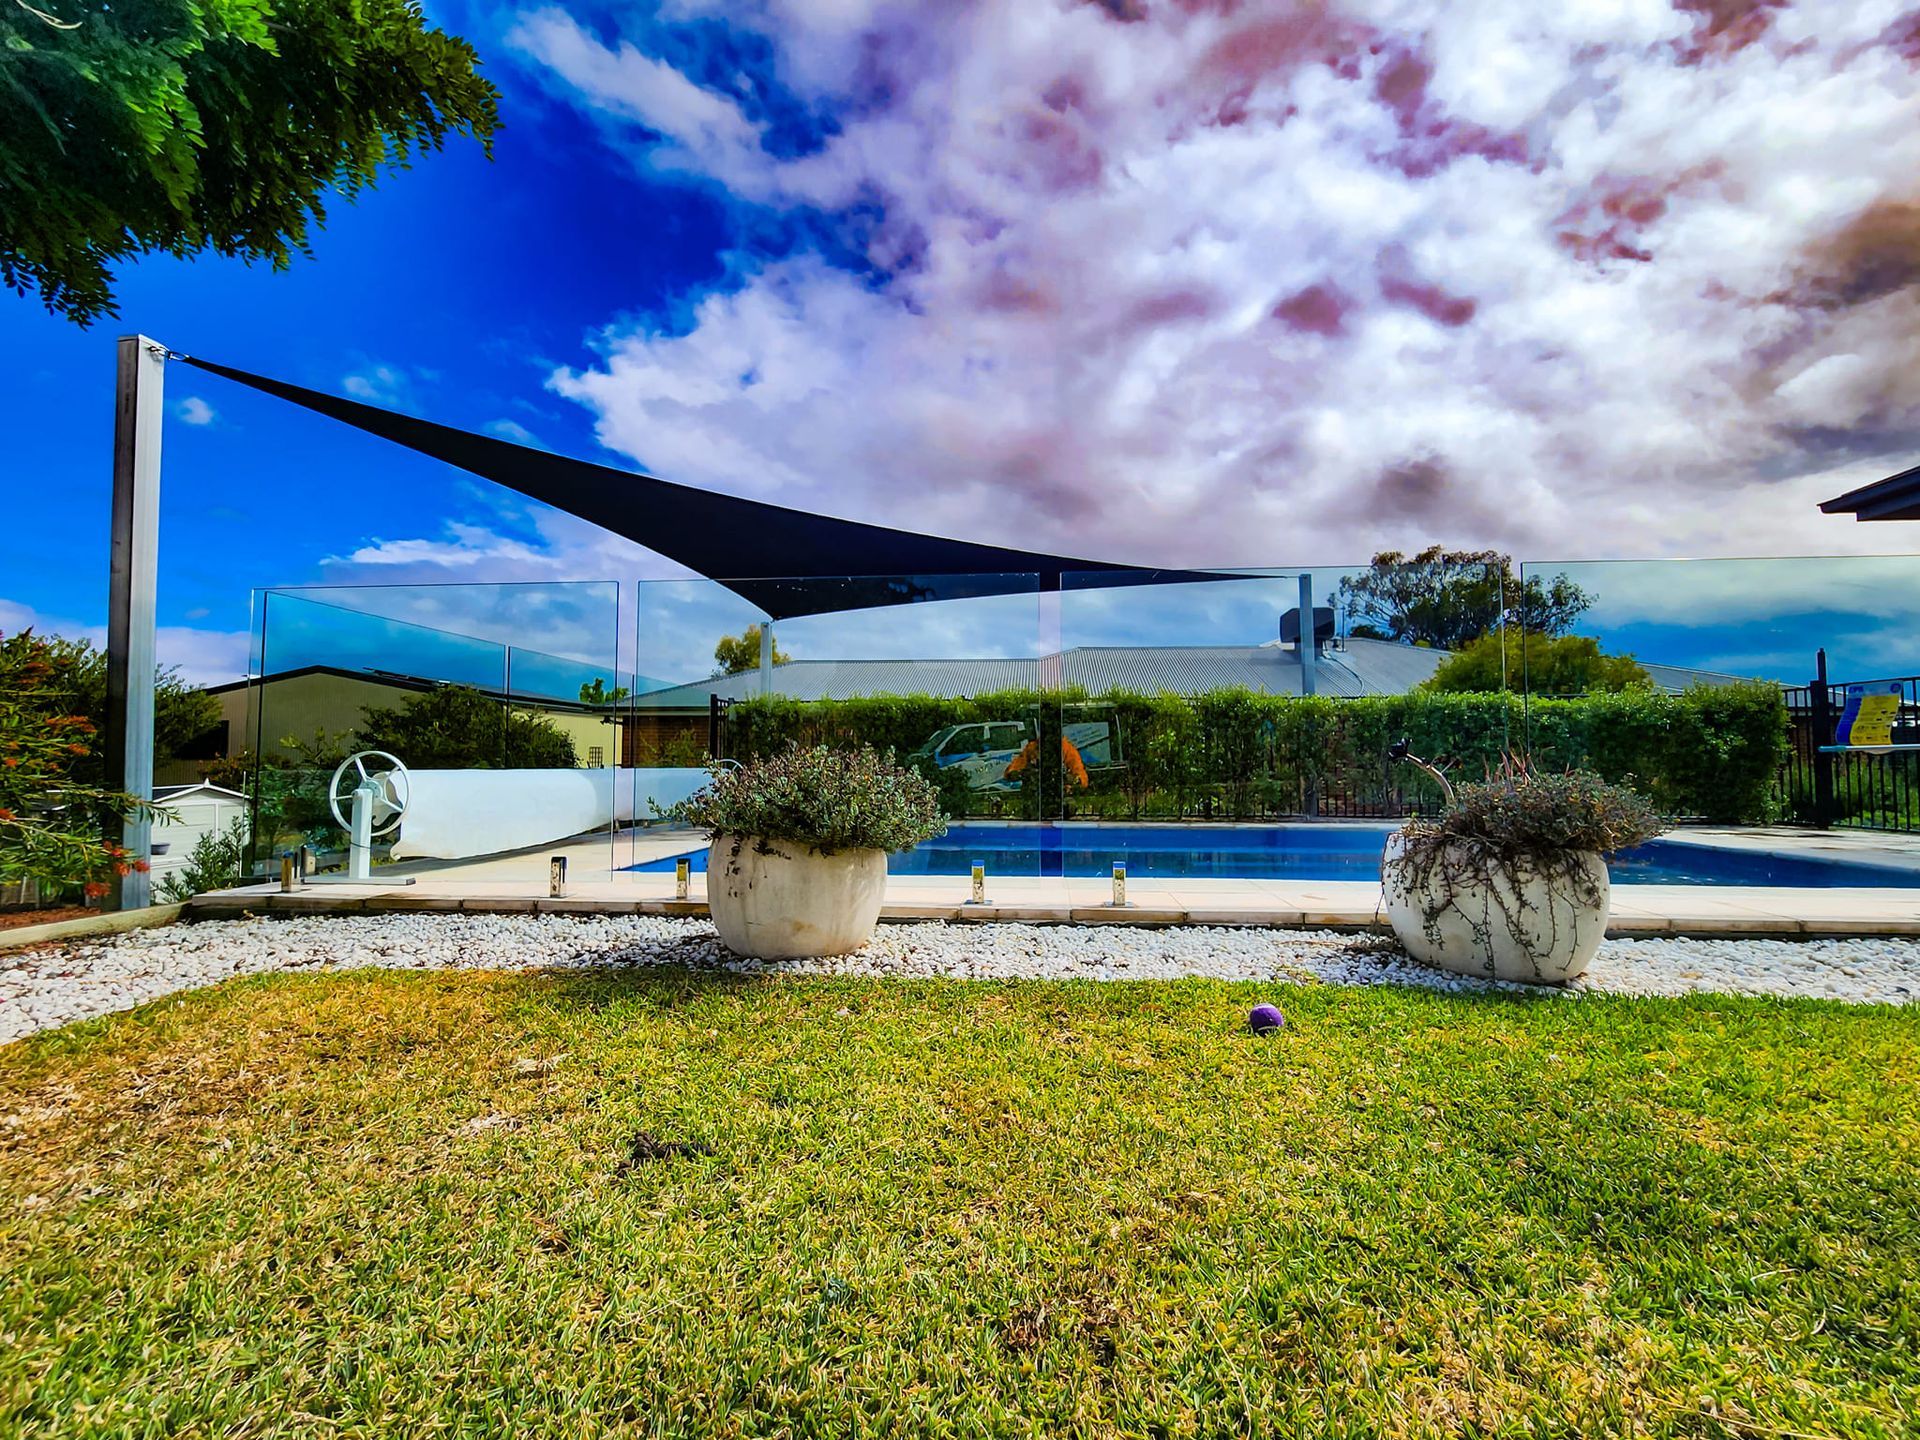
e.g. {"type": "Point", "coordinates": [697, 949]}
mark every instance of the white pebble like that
{"type": "Point", "coordinates": [57, 984]}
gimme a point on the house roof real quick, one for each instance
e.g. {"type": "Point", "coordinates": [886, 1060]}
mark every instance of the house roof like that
{"type": "Point", "coordinates": [1359, 667]}
{"type": "Point", "coordinates": [394, 680]}
{"type": "Point", "coordinates": [1895, 498]}
{"type": "Point", "coordinates": [1678, 677]}
{"type": "Point", "coordinates": [164, 793]}
{"type": "Point", "coordinates": [1355, 668]}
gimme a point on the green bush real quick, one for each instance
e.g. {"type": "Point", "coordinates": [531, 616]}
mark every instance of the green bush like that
{"type": "Point", "coordinates": [456, 727]}
{"type": "Point", "coordinates": [813, 795]}
{"type": "Point", "coordinates": [182, 715]}
{"type": "Point", "coordinates": [217, 861]}
{"type": "Point", "coordinates": [1541, 664]}
{"type": "Point", "coordinates": [54, 823]}
{"type": "Point", "coordinates": [1712, 753]}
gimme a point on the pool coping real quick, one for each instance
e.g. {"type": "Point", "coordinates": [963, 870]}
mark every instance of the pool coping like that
{"type": "Point", "coordinates": [518, 884]}
{"type": "Point", "coordinates": [1729, 912]}
{"type": "Point", "coordinates": [1888, 855]}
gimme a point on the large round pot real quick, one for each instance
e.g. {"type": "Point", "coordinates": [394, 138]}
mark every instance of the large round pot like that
{"type": "Point", "coordinates": [775, 901]}
{"type": "Point", "coordinates": [1498, 919]}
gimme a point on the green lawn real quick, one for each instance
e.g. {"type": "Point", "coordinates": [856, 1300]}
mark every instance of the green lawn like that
{"type": "Point", "coordinates": [399, 1205]}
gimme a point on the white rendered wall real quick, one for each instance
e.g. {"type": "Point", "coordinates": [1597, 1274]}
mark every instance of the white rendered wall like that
{"type": "Point", "coordinates": [457, 814]}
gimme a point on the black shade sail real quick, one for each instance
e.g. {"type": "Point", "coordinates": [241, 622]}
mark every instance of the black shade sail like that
{"type": "Point", "coordinates": [787, 562]}
{"type": "Point", "coordinates": [1895, 498]}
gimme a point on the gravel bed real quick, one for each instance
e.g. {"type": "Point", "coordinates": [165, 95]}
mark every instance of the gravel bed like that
{"type": "Point", "coordinates": [55, 984]}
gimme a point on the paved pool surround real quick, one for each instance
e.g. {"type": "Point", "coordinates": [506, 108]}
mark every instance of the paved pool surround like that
{"type": "Point", "coordinates": [1309, 851]}
{"type": "Point", "coordinates": [517, 884]}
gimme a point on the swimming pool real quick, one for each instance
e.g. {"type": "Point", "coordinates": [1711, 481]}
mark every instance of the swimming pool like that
{"type": "Point", "coordinates": [1305, 852]}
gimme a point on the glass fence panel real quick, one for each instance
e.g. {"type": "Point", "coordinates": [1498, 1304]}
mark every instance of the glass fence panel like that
{"type": "Point", "coordinates": [1681, 677]}
{"type": "Point", "coordinates": [1216, 733]}
{"type": "Point", "coordinates": [939, 670]}
{"type": "Point", "coordinates": [499, 704]}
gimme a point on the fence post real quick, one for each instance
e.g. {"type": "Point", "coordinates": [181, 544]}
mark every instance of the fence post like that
{"type": "Point", "coordinates": [134, 555]}
{"type": "Point", "coordinates": [1822, 736]}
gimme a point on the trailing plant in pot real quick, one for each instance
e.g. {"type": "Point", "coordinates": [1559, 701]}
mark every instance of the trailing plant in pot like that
{"type": "Point", "coordinates": [797, 866]}
{"type": "Point", "coordinates": [1510, 881]}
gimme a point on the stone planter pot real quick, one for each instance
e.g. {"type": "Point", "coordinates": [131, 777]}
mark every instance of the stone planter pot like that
{"type": "Point", "coordinates": [1499, 920]}
{"type": "Point", "coordinates": [775, 901]}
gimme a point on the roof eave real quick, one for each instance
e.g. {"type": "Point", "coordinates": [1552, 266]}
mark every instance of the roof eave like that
{"type": "Point", "coordinates": [1895, 498]}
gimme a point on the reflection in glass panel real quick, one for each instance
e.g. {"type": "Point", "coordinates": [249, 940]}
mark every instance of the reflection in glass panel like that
{"type": "Point", "coordinates": [1219, 702]}
{"type": "Point", "coordinates": [495, 745]}
{"type": "Point", "coordinates": [1761, 619]}
{"type": "Point", "coordinates": [1730, 654]}
{"type": "Point", "coordinates": [947, 684]}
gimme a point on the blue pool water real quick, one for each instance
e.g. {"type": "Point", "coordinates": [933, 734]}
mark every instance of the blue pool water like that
{"type": "Point", "coordinates": [1305, 852]}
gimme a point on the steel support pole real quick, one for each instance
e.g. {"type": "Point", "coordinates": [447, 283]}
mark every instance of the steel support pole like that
{"type": "Point", "coordinates": [1309, 644]}
{"type": "Point", "coordinates": [766, 657]}
{"type": "Point", "coordinates": [135, 562]}
{"type": "Point", "coordinates": [1823, 725]}
{"type": "Point", "coordinates": [1309, 647]}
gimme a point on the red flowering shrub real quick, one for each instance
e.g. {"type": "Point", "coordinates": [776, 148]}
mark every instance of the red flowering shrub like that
{"type": "Point", "coordinates": [52, 828]}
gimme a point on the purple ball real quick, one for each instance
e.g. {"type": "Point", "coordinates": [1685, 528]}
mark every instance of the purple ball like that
{"type": "Point", "coordinates": [1266, 1019]}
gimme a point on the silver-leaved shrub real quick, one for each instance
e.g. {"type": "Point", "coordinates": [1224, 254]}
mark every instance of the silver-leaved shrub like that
{"type": "Point", "coordinates": [811, 795]}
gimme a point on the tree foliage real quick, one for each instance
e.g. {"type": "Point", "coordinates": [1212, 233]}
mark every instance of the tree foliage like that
{"type": "Point", "coordinates": [52, 821]}
{"type": "Point", "coordinates": [77, 682]}
{"type": "Point", "coordinates": [1539, 664]}
{"type": "Point", "coordinates": [181, 126]}
{"type": "Point", "coordinates": [456, 727]}
{"type": "Point", "coordinates": [598, 693]}
{"type": "Point", "coordinates": [737, 654]}
{"type": "Point", "coordinates": [1450, 598]}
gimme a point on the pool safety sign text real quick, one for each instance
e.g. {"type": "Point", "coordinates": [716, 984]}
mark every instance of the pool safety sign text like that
{"type": "Point", "coordinates": [1869, 716]}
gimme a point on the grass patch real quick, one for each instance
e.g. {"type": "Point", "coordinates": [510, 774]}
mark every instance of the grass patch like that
{"type": "Point", "coordinates": [659, 1203]}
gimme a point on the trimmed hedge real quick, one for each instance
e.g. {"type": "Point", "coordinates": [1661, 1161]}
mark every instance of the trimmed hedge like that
{"type": "Point", "coordinates": [1711, 753]}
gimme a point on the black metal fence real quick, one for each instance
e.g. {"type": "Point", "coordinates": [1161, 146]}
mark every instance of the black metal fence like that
{"type": "Point", "coordinates": [1851, 788]}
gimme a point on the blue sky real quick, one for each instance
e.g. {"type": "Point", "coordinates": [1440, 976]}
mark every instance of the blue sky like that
{"type": "Point", "coordinates": [1237, 285]}
{"type": "Point", "coordinates": [452, 290]}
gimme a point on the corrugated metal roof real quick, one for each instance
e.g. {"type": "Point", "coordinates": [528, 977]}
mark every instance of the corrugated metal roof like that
{"type": "Point", "coordinates": [1678, 677]}
{"type": "Point", "coordinates": [1360, 667]}
{"type": "Point", "coordinates": [851, 679]}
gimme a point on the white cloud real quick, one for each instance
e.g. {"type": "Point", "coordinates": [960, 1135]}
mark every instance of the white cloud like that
{"type": "Point", "coordinates": [195, 411]}
{"type": "Point", "coordinates": [203, 657]}
{"type": "Point", "coordinates": [1231, 285]}
{"type": "Point", "coordinates": [466, 547]}
{"type": "Point", "coordinates": [707, 131]}
{"type": "Point", "coordinates": [384, 385]}
{"type": "Point", "coordinates": [512, 430]}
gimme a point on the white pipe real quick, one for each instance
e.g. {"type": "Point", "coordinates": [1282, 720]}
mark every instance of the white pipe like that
{"type": "Point", "coordinates": [457, 814]}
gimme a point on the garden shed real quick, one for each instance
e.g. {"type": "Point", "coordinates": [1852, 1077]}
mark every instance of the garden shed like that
{"type": "Point", "coordinates": [191, 811]}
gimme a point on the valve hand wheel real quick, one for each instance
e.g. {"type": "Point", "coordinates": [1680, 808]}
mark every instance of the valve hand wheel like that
{"type": "Point", "coordinates": [393, 790]}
